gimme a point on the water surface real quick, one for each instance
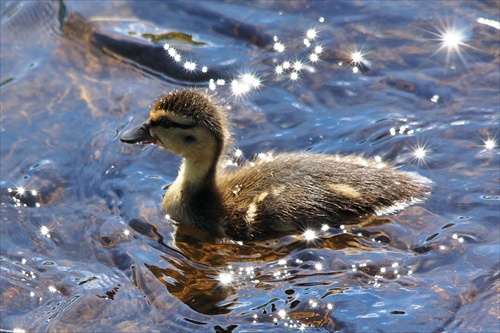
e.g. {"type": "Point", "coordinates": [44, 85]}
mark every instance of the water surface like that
{"type": "Point", "coordinates": [84, 246]}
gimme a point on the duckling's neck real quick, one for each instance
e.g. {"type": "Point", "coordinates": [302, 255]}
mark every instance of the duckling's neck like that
{"type": "Point", "coordinates": [193, 197]}
{"type": "Point", "coordinates": [196, 174]}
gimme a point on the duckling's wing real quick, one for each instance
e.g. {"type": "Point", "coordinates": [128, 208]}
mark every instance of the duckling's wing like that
{"type": "Point", "coordinates": [287, 192]}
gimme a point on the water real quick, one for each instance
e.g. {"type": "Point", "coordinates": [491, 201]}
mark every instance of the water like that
{"type": "Point", "coordinates": [84, 246]}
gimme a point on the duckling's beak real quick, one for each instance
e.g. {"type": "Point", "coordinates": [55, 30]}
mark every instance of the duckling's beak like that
{"type": "Point", "coordinates": [139, 134]}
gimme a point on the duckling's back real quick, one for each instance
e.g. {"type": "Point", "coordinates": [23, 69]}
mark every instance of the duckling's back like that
{"type": "Point", "coordinates": [287, 193]}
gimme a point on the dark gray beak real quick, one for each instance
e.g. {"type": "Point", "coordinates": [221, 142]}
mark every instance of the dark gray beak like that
{"type": "Point", "coordinates": [139, 134]}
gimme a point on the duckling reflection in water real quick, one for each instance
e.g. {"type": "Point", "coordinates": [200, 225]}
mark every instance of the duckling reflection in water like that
{"type": "Point", "coordinates": [267, 197]}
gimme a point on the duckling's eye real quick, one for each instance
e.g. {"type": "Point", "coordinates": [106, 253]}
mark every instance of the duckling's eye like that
{"type": "Point", "coordinates": [189, 138]}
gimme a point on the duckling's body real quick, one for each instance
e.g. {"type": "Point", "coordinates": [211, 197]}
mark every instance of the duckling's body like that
{"type": "Point", "coordinates": [268, 197]}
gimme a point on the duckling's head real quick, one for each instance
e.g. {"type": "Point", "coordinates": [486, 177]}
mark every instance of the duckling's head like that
{"type": "Point", "coordinates": [187, 123]}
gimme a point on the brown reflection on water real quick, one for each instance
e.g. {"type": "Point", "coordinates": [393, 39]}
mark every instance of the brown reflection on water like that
{"type": "Point", "coordinates": [195, 287]}
{"type": "Point", "coordinates": [196, 277]}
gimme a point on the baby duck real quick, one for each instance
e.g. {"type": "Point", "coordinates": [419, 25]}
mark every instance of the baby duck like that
{"type": "Point", "coordinates": [268, 197]}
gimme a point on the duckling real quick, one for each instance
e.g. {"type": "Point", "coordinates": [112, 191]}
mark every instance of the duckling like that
{"type": "Point", "coordinates": [269, 197]}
